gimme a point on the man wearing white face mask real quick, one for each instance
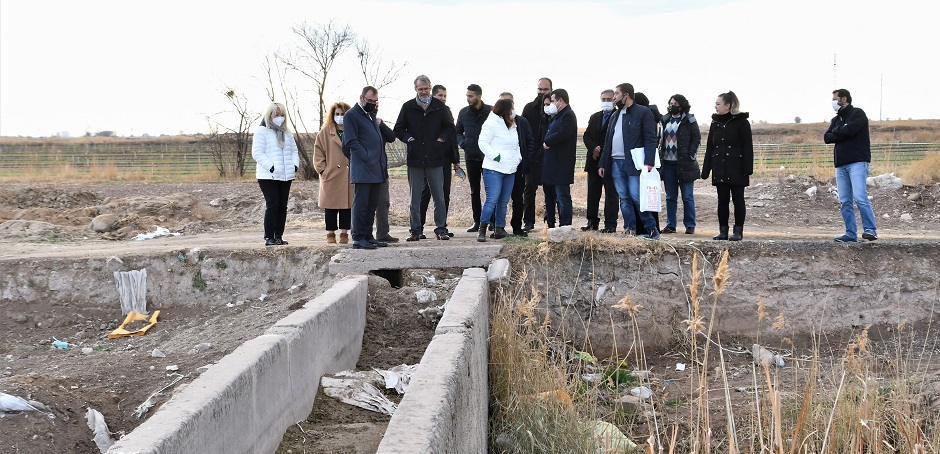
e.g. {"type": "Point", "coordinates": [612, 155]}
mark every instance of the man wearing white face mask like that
{"type": "Point", "coordinates": [848, 130]}
{"type": "Point", "coordinates": [594, 137]}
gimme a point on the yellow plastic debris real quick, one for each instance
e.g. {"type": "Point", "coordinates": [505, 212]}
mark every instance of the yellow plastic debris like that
{"type": "Point", "coordinates": [610, 439]}
{"type": "Point", "coordinates": [133, 317]}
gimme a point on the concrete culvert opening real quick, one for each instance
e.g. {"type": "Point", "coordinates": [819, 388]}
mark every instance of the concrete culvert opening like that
{"type": "Point", "coordinates": [394, 277]}
{"type": "Point", "coordinates": [613, 327]}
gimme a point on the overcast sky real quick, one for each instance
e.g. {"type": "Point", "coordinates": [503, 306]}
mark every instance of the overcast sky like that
{"type": "Point", "coordinates": [161, 67]}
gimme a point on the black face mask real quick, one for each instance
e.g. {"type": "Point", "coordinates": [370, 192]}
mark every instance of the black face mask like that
{"type": "Point", "coordinates": [369, 106]}
{"type": "Point", "coordinates": [675, 110]}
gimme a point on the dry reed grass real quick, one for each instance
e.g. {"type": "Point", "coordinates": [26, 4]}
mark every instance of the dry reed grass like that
{"type": "Point", "coordinates": [923, 172]}
{"type": "Point", "coordinates": [857, 401]}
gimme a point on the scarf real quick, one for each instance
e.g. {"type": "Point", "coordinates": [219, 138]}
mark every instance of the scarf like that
{"type": "Point", "coordinates": [279, 131]}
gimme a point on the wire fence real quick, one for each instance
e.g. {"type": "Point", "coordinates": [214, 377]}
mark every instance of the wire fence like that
{"type": "Point", "coordinates": [168, 160]}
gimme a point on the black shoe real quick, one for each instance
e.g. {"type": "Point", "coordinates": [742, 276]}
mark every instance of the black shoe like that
{"type": "Point", "coordinates": [589, 226]}
{"type": "Point", "coordinates": [474, 227]}
{"type": "Point", "coordinates": [481, 233]}
{"type": "Point", "coordinates": [528, 227]}
{"type": "Point", "coordinates": [450, 234]}
{"type": "Point", "coordinates": [519, 232]}
{"type": "Point", "coordinates": [280, 242]}
{"type": "Point", "coordinates": [611, 230]}
{"type": "Point", "coordinates": [690, 230]}
{"type": "Point", "coordinates": [492, 227]}
{"type": "Point", "coordinates": [722, 233]}
{"type": "Point", "coordinates": [423, 236]}
{"type": "Point", "coordinates": [441, 236]}
{"type": "Point", "coordinates": [388, 239]}
{"type": "Point", "coordinates": [668, 229]}
{"type": "Point", "coordinates": [269, 242]}
{"type": "Point", "coordinates": [737, 233]}
{"type": "Point", "coordinates": [363, 244]}
{"type": "Point", "coordinates": [378, 243]}
{"type": "Point", "coordinates": [500, 233]}
{"type": "Point", "coordinates": [414, 237]}
{"type": "Point", "coordinates": [870, 235]}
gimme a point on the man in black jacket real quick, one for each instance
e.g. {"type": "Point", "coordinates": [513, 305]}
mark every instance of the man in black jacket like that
{"type": "Point", "coordinates": [425, 124]}
{"type": "Point", "coordinates": [440, 92]}
{"type": "Point", "coordinates": [470, 120]}
{"type": "Point", "coordinates": [533, 113]}
{"type": "Point", "coordinates": [848, 130]}
{"type": "Point", "coordinates": [560, 149]}
{"type": "Point", "coordinates": [526, 147]}
{"type": "Point", "coordinates": [594, 137]}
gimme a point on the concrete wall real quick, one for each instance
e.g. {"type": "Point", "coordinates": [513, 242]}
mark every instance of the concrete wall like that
{"type": "Point", "coordinates": [445, 409]}
{"type": "Point", "coordinates": [246, 401]}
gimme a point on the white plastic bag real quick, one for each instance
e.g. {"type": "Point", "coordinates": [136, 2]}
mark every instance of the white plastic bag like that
{"type": "Point", "coordinates": [651, 198]}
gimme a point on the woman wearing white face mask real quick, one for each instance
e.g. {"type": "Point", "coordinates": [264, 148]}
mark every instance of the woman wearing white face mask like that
{"type": "Point", "coordinates": [333, 167]}
{"type": "Point", "coordinates": [275, 152]}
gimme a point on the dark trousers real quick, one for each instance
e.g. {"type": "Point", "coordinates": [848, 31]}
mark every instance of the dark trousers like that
{"type": "Point", "coordinates": [532, 179]}
{"type": "Point", "coordinates": [275, 200]}
{"type": "Point", "coordinates": [332, 215]}
{"type": "Point", "coordinates": [426, 195]}
{"type": "Point", "coordinates": [518, 202]}
{"type": "Point", "coordinates": [596, 184]}
{"type": "Point", "coordinates": [550, 198]}
{"type": "Point", "coordinates": [475, 177]}
{"type": "Point", "coordinates": [365, 202]}
{"type": "Point", "coordinates": [727, 193]}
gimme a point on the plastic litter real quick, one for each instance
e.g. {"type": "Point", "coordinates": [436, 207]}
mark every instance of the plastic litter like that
{"type": "Point", "coordinates": [766, 357]}
{"type": "Point", "coordinates": [156, 353]}
{"type": "Point", "coordinates": [96, 423]}
{"type": "Point", "coordinates": [131, 317]}
{"type": "Point", "coordinates": [425, 296]}
{"type": "Point", "coordinates": [642, 392]}
{"type": "Point", "coordinates": [398, 377]}
{"type": "Point", "coordinates": [132, 290]}
{"type": "Point", "coordinates": [147, 404]}
{"type": "Point", "coordinates": [610, 439]}
{"type": "Point", "coordinates": [680, 367]}
{"type": "Point", "coordinates": [60, 345]}
{"type": "Point", "coordinates": [357, 388]}
{"type": "Point", "coordinates": [9, 403]}
{"type": "Point", "coordinates": [158, 232]}
{"type": "Point", "coordinates": [592, 378]}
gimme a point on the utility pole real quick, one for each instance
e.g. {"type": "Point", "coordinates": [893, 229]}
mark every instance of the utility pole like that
{"type": "Point", "coordinates": [834, 84]}
{"type": "Point", "coordinates": [881, 96]}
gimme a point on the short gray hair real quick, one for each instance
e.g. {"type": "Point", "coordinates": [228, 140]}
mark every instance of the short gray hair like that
{"type": "Point", "coordinates": [422, 78]}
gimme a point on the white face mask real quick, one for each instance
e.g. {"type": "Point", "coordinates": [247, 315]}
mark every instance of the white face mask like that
{"type": "Point", "coordinates": [278, 121]}
{"type": "Point", "coordinates": [551, 109]}
{"type": "Point", "coordinates": [607, 106]}
{"type": "Point", "coordinates": [338, 119]}
{"type": "Point", "coordinates": [835, 105]}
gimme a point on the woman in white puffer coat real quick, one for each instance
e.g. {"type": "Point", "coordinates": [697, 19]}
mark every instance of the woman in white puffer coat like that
{"type": "Point", "coordinates": [274, 149]}
{"type": "Point", "coordinates": [499, 142]}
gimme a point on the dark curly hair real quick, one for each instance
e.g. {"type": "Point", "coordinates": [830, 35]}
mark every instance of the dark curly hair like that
{"type": "Point", "coordinates": [683, 102]}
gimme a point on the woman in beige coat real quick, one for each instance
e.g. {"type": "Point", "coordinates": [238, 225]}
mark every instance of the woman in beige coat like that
{"type": "Point", "coordinates": [333, 167]}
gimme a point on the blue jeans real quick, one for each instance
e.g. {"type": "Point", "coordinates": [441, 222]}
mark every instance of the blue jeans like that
{"type": "Point", "coordinates": [670, 173]}
{"type": "Point", "coordinates": [563, 199]}
{"type": "Point", "coordinates": [851, 181]}
{"type": "Point", "coordinates": [628, 189]}
{"type": "Point", "coordinates": [498, 188]}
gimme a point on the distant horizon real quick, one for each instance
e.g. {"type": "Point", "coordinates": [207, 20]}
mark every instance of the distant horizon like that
{"type": "Point", "coordinates": [92, 67]}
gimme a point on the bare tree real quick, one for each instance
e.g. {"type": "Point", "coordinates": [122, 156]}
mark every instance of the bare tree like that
{"type": "Point", "coordinates": [374, 71]}
{"type": "Point", "coordinates": [323, 44]}
{"type": "Point", "coordinates": [232, 142]}
{"type": "Point", "coordinates": [276, 86]}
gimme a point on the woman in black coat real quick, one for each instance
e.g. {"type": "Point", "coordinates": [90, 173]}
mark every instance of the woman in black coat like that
{"type": "Point", "coordinates": [729, 157]}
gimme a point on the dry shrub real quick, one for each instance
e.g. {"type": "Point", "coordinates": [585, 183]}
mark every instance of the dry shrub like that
{"type": "Point", "coordinates": [923, 172]}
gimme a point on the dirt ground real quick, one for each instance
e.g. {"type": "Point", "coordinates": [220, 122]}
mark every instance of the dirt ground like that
{"type": "Point", "coordinates": [39, 221]}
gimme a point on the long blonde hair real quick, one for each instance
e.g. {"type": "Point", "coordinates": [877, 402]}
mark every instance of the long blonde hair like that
{"type": "Point", "coordinates": [269, 113]}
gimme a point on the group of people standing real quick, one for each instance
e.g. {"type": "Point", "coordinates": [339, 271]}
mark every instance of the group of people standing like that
{"type": "Point", "coordinates": [513, 155]}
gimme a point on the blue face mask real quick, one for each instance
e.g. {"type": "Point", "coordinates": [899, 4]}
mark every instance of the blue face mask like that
{"type": "Point", "coordinates": [835, 105]}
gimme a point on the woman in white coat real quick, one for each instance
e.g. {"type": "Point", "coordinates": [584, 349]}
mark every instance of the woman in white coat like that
{"type": "Point", "coordinates": [275, 152]}
{"type": "Point", "coordinates": [499, 142]}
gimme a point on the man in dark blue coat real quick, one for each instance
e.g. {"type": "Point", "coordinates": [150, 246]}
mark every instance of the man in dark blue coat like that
{"type": "Point", "coordinates": [425, 124]}
{"type": "Point", "coordinates": [631, 128]}
{"type": "Point", "coordinates": [470, 120]}
{"type": "Point", "coordinates": [364, 144]}
{"type": "Point", "coordinates": [534, 113]}
{"type": "Point", "coordinates": [848, 130]}
{"type": "Point", "coordinates": [559, 145]}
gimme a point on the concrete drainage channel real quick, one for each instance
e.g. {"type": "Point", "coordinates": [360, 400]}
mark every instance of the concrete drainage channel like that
{"type": "Point", "coordinates": [253, 394]}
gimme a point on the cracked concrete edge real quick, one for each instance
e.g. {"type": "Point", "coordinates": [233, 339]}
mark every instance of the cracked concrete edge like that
{"type": "Point", "coordinates": [353, 261]}
{"type": "Point", "coordinates": [246, 401]}
{"type": "Point", "coordinates": [446, 407]}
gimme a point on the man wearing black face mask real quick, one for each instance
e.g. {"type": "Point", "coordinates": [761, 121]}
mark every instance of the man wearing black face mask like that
{"type": "Point", "coordinates": [364, 144]}
{"type": "Point", "coordinates": [533, 113]}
